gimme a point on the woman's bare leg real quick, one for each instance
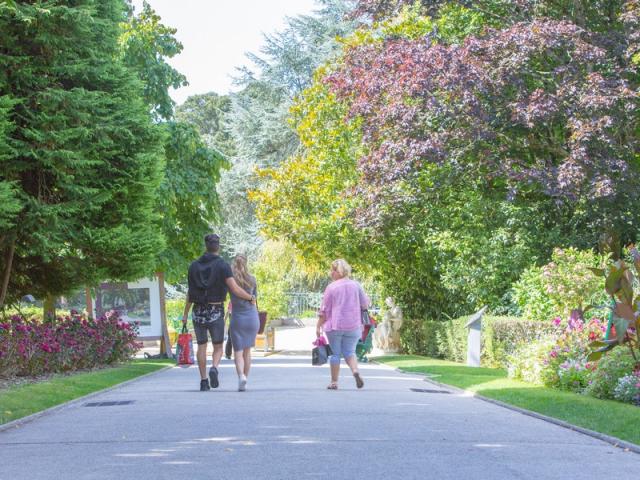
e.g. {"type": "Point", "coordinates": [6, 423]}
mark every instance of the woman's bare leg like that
{"type": "Point", "coordinates": [353, 363]}
{"type": "Point", "coordinates": [246, 353]}
{"type": "Point", "coordinates": [335, 372]}
{"type": "Point", "coordinates": [238, 359]}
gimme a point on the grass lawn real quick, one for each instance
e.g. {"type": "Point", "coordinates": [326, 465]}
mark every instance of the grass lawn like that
{"type": "Point", "coordinates": [22, 400]}
{"type": "Point", "coordinates": [604, 416]}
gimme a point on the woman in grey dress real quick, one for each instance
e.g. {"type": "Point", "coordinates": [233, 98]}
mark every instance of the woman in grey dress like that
{"type": "Point", "coordinates": [244, 324]}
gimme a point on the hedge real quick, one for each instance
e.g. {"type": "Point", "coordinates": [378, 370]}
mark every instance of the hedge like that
{"type": "Point", "coordinates": [448, 339]}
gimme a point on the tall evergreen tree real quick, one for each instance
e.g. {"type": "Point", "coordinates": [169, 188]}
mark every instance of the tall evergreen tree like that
{"type": "Point", "coordinates": [85, 158]}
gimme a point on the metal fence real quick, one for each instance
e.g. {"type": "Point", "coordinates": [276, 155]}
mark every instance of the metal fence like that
{"type": "Point", "coordinates": [303, 304]}
{"type": "Point", "coordinates": [306, 304]}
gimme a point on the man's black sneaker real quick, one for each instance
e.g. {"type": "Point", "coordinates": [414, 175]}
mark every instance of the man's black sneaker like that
{"type": "Point", "coordinates": [213, 377]}
{"type": "Point", "coordinates": [204, 385]}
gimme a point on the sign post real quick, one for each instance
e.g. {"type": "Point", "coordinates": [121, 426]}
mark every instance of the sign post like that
{"type": "Point", "coordinates": [474, 339]}
{"type": "Point", "coordinates": [165, 342]}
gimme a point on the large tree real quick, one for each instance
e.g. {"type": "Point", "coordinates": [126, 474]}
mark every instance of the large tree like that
{"type": "Point", "coordinates": [259, 117]}
{"type": "Point", "coordinates": [85, 159]}
{"type": "Point", "coordinates": [474, 143]}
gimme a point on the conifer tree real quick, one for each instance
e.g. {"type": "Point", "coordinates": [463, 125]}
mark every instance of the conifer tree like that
{"type": "Point", "coordinates": [85, 159]}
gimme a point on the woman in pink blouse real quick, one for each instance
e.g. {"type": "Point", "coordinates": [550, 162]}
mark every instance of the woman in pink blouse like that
{"type": "Point", "coordinates": [341, 319]}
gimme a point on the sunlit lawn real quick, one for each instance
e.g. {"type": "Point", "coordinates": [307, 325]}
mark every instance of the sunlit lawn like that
{"type": "Point", "coordinates": [609, 417]}
{"type": "Point", "coordinates": [22, 400]}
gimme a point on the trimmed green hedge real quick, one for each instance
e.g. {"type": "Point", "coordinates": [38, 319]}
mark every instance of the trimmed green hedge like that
{"type": "Point", "coordinates": [448, 339]}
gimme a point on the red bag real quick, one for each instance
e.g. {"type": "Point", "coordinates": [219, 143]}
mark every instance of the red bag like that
{"type": "Point", "coordinates": [184, 349]}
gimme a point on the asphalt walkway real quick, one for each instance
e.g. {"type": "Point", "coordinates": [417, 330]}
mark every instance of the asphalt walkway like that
{"type": "Point", "coordinates": [288, 426]}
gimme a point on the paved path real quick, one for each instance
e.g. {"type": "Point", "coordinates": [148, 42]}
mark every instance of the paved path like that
{"type": "Point", "coordinates": [288, 426]}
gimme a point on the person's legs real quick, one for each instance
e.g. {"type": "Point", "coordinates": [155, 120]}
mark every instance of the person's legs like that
{"type": "Point", "coordinates": [202, 339]}
{"type": "Point", "coordinates": [216, 356]}
{"type": "Point", "coordinates": [349, 342]}
{"type": "Point", "coordinates": [216, 328]}
{"type": "Point", "coordinates": [246, 353]}
{"type": "Point", "coordinates": [243, 363]}
{"type": "Point", "coordinates": [335, 341]}
{"type": "Point", "coordinates": [202, 360]}
{"type": "Point", "coordinates": [238, 358]}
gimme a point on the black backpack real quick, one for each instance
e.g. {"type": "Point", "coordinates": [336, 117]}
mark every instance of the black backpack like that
{"type": "Point", "coordinates": [201, 291]}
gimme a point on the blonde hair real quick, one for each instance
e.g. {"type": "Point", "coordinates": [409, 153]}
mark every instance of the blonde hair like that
{"type": "Point", "coordinates": [341, 267]}
{"type": "Point", "coordinates": [241, 273]}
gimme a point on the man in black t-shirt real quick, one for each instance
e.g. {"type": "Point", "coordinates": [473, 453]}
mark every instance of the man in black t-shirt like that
{"type": "Point", "coordinates": [210, 278]}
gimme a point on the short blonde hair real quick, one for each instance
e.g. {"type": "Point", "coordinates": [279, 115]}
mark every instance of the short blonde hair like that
{"type": "Point", "coordinates": [341, 267]}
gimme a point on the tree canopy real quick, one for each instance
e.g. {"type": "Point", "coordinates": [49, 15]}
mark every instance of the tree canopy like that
{"type": "Point", "coordinates": [451, 145]}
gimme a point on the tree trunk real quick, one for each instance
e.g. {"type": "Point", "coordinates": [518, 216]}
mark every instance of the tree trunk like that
{"type": "Point", "coordinates": [49, 308]}
{"type": "Point", "coordinates": [7, 272]}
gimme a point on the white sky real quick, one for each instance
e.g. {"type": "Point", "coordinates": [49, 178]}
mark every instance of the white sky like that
{"type": "Point", "coordinates": [216, 34]}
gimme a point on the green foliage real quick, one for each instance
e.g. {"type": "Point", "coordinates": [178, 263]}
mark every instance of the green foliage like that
{"type": "Point", "coordinates": [187, 197]}
{"type": "Point", "coordinates": [279, 270]}
{"type": "Point", "coordinates": [10, 205]}
{"type": "Point", "coordinates": [501, 337]}
{"type": "Point", "coordinates": [620, 283]}
{"type": "Point", "coordinates": [611, 367]}
{"type": "Point", "coordinates": [566, 283]}
{"type": "Point", "coordinates": [527, 362]}
{"type": "Point", "coordinates": [456, 22]}
{"type": "Point", "coordinates": [144, 45]}
{"type": "Point", "coordinates": [258, 118]}
{"type": "Point", "coordinates": [300, 200]}
{"type": "Point", "coordinates": [418, 337]}
{"type": "Point", "coordinates": [175, 309]}
{"type": "Point", "coordinates": [209, 114]}
{"type": "Point", "coordinates": [85, 160]}
{"type": "Point", "coordinates": [559, 359]}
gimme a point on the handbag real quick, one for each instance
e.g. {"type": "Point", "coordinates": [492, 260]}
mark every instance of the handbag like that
{"type": "Point", "coordinates": [366, 319]}
{"type": "Point", "coordinates": [184, 348]}
{"type": "Point", "coordinates": [321, 352]}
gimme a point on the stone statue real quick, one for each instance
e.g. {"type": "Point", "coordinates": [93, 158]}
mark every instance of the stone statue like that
{"type": "Point", "coordinates": [387, 334]}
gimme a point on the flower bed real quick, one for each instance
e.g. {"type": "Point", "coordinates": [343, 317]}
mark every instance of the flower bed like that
{"type": "Point", "coordinates": [29, 347]}
{"type": "Point", "coordinates": [561, 361]}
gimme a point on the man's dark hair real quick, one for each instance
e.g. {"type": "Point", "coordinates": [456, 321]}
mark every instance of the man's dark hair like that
{"type": "Point", "coordinates": [212, 242]}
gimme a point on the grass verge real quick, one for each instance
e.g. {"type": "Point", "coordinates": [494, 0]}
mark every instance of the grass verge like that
{"type": "Point", "coordinates": [605, 416]}
{"type": "Point", "coordinates": [20, 401]}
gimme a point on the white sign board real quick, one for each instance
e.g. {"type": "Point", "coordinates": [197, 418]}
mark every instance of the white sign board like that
{"type": "Point", "coordinates": [135, 302]}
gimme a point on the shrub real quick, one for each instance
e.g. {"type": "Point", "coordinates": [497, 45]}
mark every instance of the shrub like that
{"type": "Point", "coordinates": [501, 336]}
{"type": "Point", "coordinates": [528, 361]}
{"type": "Point", "coordinates": [628, 388]}
{"type": "Point", "coordinates": [559, 359]}
{"type": "Point", "coordinates": [573, 375]}
{"type": "Point", "coordinates": [29, 347]}
{"type": "Point", "coordinates": [570, 352]}
{"type": "Point", "coordinates": [560, 286]}
{"type": "Point", "coordinates": [419, 337]}
{"type": "Point", "coordinates": [609, 369]}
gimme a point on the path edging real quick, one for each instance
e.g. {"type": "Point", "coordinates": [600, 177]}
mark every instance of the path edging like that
{"type": "Point", "coordinates": [18, 422]}
{"type": "Point", "coordinates": [615, 441]}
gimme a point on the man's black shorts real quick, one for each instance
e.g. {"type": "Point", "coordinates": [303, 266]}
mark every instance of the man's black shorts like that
{"type": "Point", "coordinates": [208, 318]}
